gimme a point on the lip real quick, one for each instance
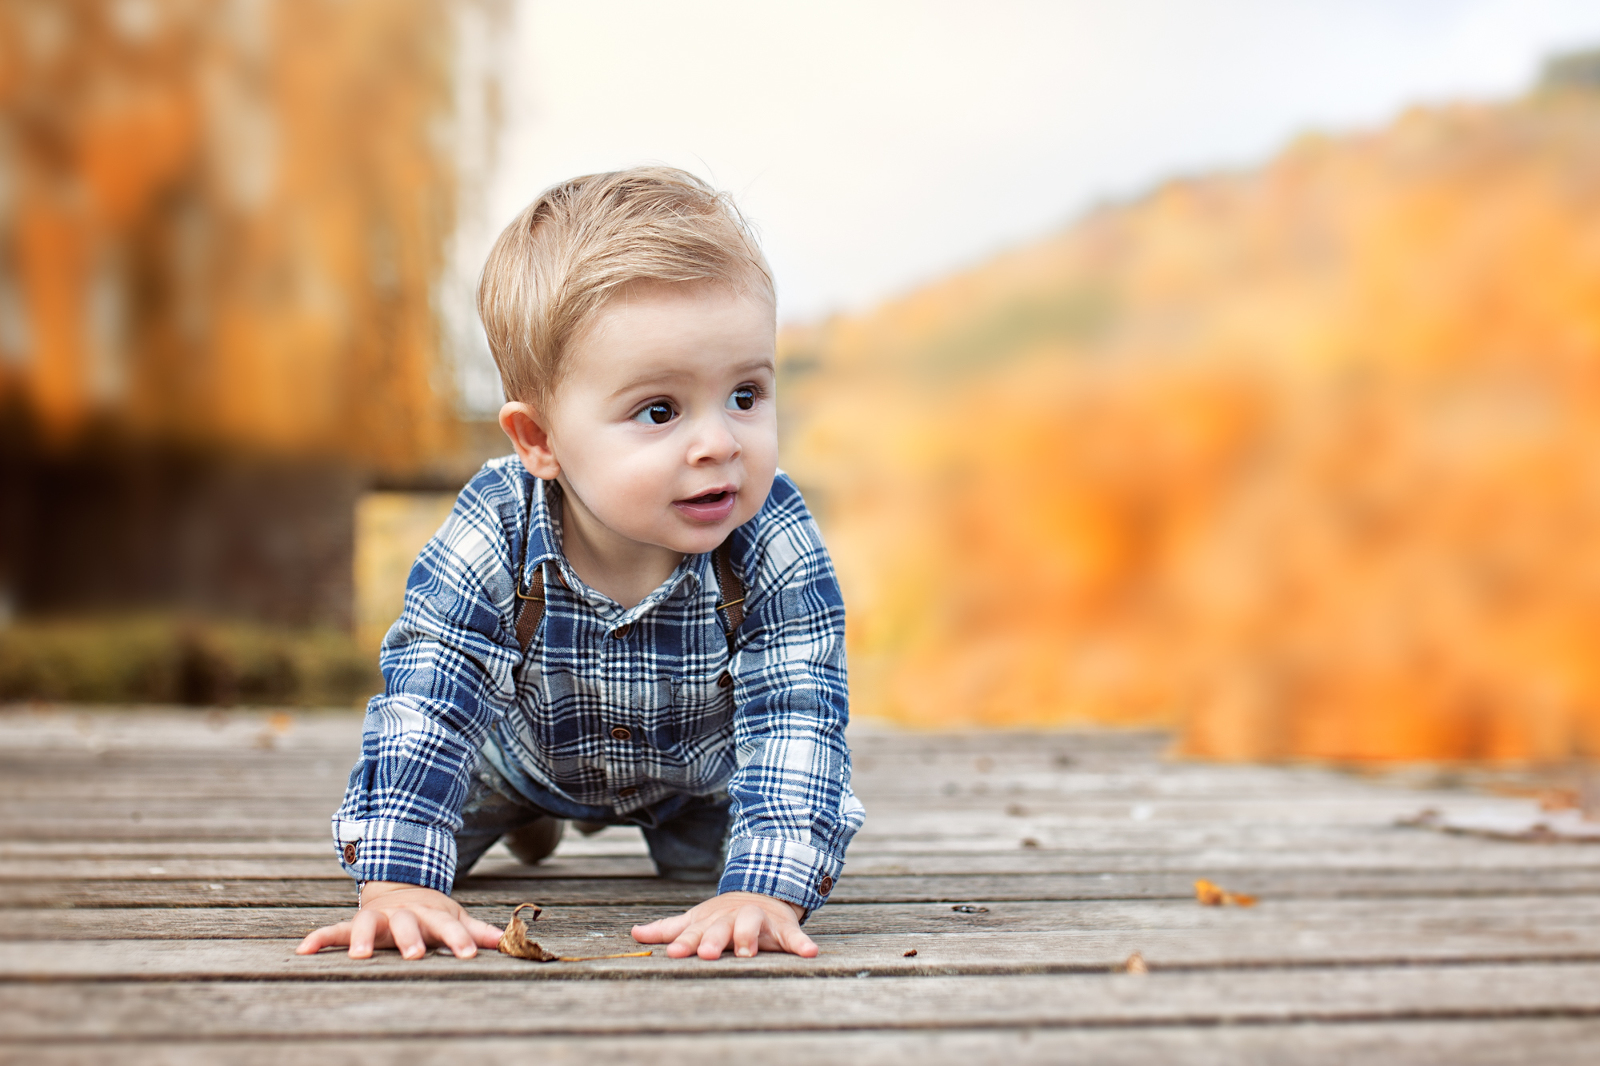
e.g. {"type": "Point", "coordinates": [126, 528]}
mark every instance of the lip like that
{"type": "Point", "coordinates": [701, 509]}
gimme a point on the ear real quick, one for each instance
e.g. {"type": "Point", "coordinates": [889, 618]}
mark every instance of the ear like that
{"type": "Point", "coordinates": [531, 440]}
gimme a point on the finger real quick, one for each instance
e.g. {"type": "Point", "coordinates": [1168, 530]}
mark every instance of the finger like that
{"type": "Point", "coordinates": [364, 932]}
{"type": "Point", "coordinates": [747, 931]}
{"type": "Point", "coordinates": [329, 936]}
{"type": "Point", "coordinates": [715, 939]}
{"type": "Point", "coordinates": [794, 940]}
{"type": "Point", "coordinates": [687, 941]}
{"type": "Point", "coordinates": [662, 931]}
{"type": "Point", "coordinates": [445, 929]}
{"type": "Point", "coordinates": [407, 935]}
{"type": "Point", "coordinates": [482, 933]}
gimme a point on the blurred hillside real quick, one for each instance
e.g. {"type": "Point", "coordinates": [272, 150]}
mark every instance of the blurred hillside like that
{"type": "Point", "coordinates": [1304, 460]}
{"type": "Point", "coordinates": [222, 229]}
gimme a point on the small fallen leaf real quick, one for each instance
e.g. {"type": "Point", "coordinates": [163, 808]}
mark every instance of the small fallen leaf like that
{"type": "Point", "coordinates": [514, 941]}
{"type": "Point", "coordinates": [1214, 895]}
{"type": "Point", "coordinates": [909, 954]}
{"type": "Point", "coordinates": [1135, 964]}
{"type": "Point", "coordinates": [969, 908]}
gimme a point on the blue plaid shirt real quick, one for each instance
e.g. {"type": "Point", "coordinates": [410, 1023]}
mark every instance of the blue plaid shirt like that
{"type": "Point", "coordinates": [455, 676]}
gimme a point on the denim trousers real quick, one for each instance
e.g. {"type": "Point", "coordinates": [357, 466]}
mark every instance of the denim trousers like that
{"type": "Point", "coordinates": [687, 835]}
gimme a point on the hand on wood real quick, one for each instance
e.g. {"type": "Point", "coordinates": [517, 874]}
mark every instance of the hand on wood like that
{"type": "Point", "coordinates": [408, 917]}
{"type": "Point", "coordinates": [751, 922]}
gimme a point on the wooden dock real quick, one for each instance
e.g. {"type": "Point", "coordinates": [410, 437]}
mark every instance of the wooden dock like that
{"type": "Point", "coordinates": [158, 867]}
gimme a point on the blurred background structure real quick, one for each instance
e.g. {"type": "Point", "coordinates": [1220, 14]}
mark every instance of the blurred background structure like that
{"type": "Point", "coordinates": [221, 235]}
{"type": "Point", "coordinates": [1297, 455]}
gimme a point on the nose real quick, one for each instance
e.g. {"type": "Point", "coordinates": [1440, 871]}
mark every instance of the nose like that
{"type": "Point", "coordinates": [713, 442]}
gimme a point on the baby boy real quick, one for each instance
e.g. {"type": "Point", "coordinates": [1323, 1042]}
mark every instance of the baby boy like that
{"type": "Point", "coordinates": [631, 621]}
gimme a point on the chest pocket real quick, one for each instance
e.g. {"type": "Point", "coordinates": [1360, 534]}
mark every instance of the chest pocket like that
{"type": "Point", "coordinates": [702, 706]}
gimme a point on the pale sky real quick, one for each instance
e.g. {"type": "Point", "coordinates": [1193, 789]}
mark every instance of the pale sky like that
{"type": "Point", "coordinates": [878, 144]}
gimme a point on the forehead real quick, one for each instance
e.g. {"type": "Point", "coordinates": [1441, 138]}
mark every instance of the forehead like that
{"type": "Point", "coordinates": [654, 329]}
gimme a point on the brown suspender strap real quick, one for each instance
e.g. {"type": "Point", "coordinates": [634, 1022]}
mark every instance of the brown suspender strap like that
{"type": "Point", "coordinates": [531, 608]}
{"type": "Point", "coordinates": [731, 588]}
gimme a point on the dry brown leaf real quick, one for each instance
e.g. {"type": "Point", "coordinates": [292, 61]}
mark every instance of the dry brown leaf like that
{"type": "Point", "coordinates": [1211, 894]}
{"type": "Point", "coordinates": [910, 954]}
{"type": "Point", "coordinates": [1135, 964]}
{"type": "Point", "coordinates": [514, 942]}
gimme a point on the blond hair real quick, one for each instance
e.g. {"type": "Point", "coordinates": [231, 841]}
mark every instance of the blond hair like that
{"type": "Point", "coordinates": [582, 241]}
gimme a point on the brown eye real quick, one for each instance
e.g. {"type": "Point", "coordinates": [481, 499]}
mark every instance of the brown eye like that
{"type": "Point", "coordinates": [658, 414]}
{"type": "Point", "coordinates": [743, 399]}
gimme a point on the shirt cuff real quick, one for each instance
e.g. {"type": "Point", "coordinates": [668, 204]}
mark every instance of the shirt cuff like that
{"type": "Point", "coordinates": [381, 850]}
{"type": "Point", "coordinates": [785, 869]}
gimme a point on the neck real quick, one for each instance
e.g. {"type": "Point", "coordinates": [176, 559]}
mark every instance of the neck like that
{"type": "Point", "coordinates": [623, 569]}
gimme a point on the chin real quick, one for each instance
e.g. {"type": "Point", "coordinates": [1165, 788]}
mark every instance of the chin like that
{"type": "Point", "coordinates": [697, 539]}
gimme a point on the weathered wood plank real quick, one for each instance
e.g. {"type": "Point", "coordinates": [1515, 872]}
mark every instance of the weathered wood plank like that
{"type": "Point", "coordinates": [1204, 862]}
{"type": "Point", "coordinates": [507, 891]}
{"type": "Point", "coordinates": [1377, 927]}
{"type": "Point", "coordinates": [1429, 927]}
{"type": "Point", "coordinates": [273, 1009]}
{"type": "Point", "coordinates": [1456, 1042]}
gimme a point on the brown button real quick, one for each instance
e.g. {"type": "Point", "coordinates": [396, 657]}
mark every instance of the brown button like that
{"type": "Point", "coordinates": [825, 885]}
{"type": "Point", "coordinates": [725, 680]}
{"type": "Point", "coordinates": [626, 792]}
{"type": "Point", "coordinates": [621, 732]}
{"type": "Point", "coordinates": [349, 853]}
{"type": "Point", "coordinates": [622, 630]}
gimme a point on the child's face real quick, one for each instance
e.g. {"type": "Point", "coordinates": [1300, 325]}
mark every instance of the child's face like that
{"type": "Point", "coordinates": [664, 425]}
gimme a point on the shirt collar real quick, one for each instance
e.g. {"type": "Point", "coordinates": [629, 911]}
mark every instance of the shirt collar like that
{"type": "Point", "coordinates": [544, 546]}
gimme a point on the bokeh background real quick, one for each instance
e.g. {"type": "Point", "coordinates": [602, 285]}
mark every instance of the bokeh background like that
{"type": "Point", "coordinates": [1229, 367]}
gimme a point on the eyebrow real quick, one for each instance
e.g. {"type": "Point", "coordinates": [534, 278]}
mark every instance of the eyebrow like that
{"type": "Point", "coordinates": [764, 363]}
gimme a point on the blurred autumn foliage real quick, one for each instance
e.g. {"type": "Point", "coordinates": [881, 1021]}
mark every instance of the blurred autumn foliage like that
{"type": "Point", "coordinates": [222, 222]}
{"type": "Point", "coordinates": [224, 234]}
{"type": "Point", "coordinates": [1305, 461]}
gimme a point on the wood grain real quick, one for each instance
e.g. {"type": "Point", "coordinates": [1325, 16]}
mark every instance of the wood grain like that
{"type": "Point", "coordinates": [157, 867]}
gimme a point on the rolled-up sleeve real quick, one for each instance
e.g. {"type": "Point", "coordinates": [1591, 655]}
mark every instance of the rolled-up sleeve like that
{"type": "Point", "coordinates": [448, 675]}
{"type": "Point", "coordinates": [793, 812]}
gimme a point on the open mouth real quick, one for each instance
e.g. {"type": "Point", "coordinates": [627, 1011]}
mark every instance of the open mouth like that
{"type": "Point", "coordinates": [709, 506]}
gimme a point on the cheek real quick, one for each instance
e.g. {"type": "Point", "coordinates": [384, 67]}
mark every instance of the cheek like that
{"type": "Point", "coordinates": [614, 470]}
{"type": "Point", "coordinates": [760, 446]}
